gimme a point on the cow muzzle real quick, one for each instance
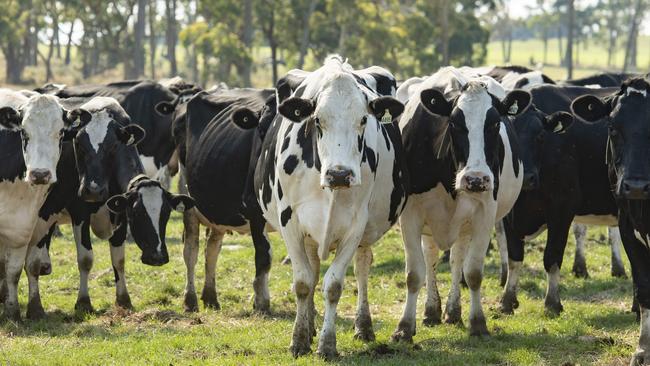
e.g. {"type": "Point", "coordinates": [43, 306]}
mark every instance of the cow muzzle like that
{"type": "Point", "coordinates": [339, 177]}
{"type": "Point", "coordinates": [154, 259]}
{"type": "Point", "coordinates": [46, 269]}
{"type": "Point", "coordinates": [93, 192]}
{"type": "Point", "coordinates": [531, 182]}
{"type": "Point", "coordinates": [635, 189]}
{"type": "Point", "coordinates": [39, 176]}
{"type": "Point", "coordinates": [476, 182]}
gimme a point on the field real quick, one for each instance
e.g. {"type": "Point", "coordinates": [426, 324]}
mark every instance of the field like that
{"type": "Point", "coordinates": [595, 328]}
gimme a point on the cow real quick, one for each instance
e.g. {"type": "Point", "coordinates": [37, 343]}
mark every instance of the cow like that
{"type": "Point", "coordinates": [510, 77]}
{"type": "Point", "coordinates": [105, 190]}
{"type": "Point", "coordinates": [465, 175]}
{"type": "Point", "coordinates": [217, 160]}
{"type": "Point", "coordinates": [31, 133]}
{"type": "Point", "coordinates": [331, 177]}
{"type": "Point", "coordinates": [602, 80]}
{"type": "Point", "coordinates": [623, 115]}
{"type": "Point", "coordinates": [564, 181]}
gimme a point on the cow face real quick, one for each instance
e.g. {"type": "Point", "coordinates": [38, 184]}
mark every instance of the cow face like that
{"type": "Point", "coordinates": [43, 123]}
{"type": "Point", "coordinates": [147, 207]}
{"type": "Point", "coordinates": [533, 127]}
{"type": "Point", "coordinates": [95, 147]}
{"type": "Point", "coordinates": [627, 114]}
{"type": "Point", "coordinates": [474, 125]}
{"type": "Point", "coordinates": [340, 115]}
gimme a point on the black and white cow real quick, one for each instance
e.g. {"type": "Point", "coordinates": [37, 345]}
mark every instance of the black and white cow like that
{"type": "Point", "coordinates": [331, 177]}
{"type": "Point", "coordinates": [510, 77]}
{"type": "Point", "coordinates": [465, 175]}
{"type": "Point", "coordinates": [217, 160]}
{"type": "Point", "coordinates": [603, 80]}
{"type": "Point", "coordinates": [31, 133]}
{"type": "Point", "coordinates": [102, 163]}
{"type": "Point", "coordinates": [625, 117]}
{"type": "Point", "coordinates": [565, 180]}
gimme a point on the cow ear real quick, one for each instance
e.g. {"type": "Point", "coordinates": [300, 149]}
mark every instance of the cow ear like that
{"type": "Point", "coordinates": [515, 103]}
{"type": "Point", "coordinates": [558, 122]}
{"type": "Point", "coordinates": [76, 118]}
{"type": "Point", "coordinates": [245, 119]}
{"type": "Point", "coordinates": [131, 135]}
{"type": "Point", "coordinates": [10, 118]}
{"type": "Point", "coordinates": [165, 108]}
{"type": "Point", "coordinates": [181, 202]}
{"type": "Point", "coordinates": [435, 102]}
{"type": "Point", "coordinates": [297, 109]}
{"type": "Point", "coordinates": [117, 204]}
{"type": "Point", "coordinates": [381, 105]}
{"type": "Point", "coordinates": [590, 108]}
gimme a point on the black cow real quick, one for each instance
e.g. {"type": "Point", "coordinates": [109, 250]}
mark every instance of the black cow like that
{"type": "Point", "coordinates": [565, 178]}
{"type": "Point", "coordinates": [604, 80]}
{"type": "Point", "coordinates": [103, 162]}
{"type": "Point", "coordinates": [625, 117]}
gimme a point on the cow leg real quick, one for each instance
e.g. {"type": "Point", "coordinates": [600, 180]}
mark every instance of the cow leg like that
{"type": "Point", "coordinates": [37, 263]}
{"type": "Point", "coordinates": [332, 289]}
{"type": "Point", "coordinates": [411, 223]}
{"type": "Point", "coordinates": [303, 285]}
{"type": "Point", "coordinates": [553, 255]}
{"type": "Point", "coordinates": [473, 270]}
{"type": "Point", "coordinates": [263, 256]}
{"type": "Point", "coordinates": [502, 243]}
{"type": "Point", "coordinates": [122, 298]}
{"type": "Point", "coordinates": [81, 232]}
{"type": "Point", "coordinates": [509, 300]}
{"type": "Point", "coordinates": [311, 248]}
{"type": "Point", "coordinates": [456, 259]}
{"type": "Point", "coordinates": [212, 250]}
{"type": "Point", "coordinates": [363, 321]}
{"type": "Point", "coordinates": [618, 268]}
{"type": "Point", "coordinates": [580, 261]}
{"type": "Point", "coordinates": [190, 255]}
{"type": "Point", "coordinates": [3, 273]}
{"type": "Point", "coordinates": [432, 308]}
{"type": "Point", "coordinates": [16, 257]}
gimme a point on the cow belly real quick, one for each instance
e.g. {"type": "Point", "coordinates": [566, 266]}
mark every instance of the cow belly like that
{"type": "Point", "coordinates": [19, 205]}
{"type": "Point", "coordinates": [607, 220]}
{"type": "Point", "coordinates": [243, 229]}
{"type": "Point", "coordinates": [101, 224]}
{"type": "Point", "coordinates": [509, 183]}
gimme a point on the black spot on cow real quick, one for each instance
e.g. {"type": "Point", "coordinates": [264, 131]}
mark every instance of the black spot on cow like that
{"type": "Point", "coordinates": [370, 156]}
{"type": "Point", "coordinates": [290, 164]}
{"type": "Point", "coordinates": [285, 216]}
{"type": "Point", "coordinates": [285, 144]}
{"type": "Point", "coordinates": [360, 143]}
{"type": "Point", "coordinates": [280, 193]}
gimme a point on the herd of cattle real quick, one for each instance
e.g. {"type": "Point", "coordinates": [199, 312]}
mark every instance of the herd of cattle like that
{"type": "Point", "coordinates": [332, 159]}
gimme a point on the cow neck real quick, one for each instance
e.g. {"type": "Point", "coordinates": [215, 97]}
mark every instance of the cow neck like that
{"type": "Point", "coordinates": [128, 166]}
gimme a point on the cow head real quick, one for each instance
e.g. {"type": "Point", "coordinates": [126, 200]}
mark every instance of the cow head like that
{"type": "Point", "coordinates": [474, 118]}
{"type": "Point", "coordinates": [533, 128]}
{"type": "Point", "coordinates": [339, 115]}
{"type": "Point", "coordinates": [627, 114]}
{"type": "Point", "coordinates": [96, 143]}
{"type": "Point", "coordinates": [43, 124]}
{"type": "Point", "coordinates": [147, 206]}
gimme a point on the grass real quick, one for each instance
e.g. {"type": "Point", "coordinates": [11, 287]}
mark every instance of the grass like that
{"type": "Point", "coordinates": [596, 327]}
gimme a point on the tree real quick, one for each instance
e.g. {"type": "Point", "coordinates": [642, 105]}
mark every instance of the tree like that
{"type": "Point", "coordinates": [138, 47]}
{"type": "Point", "coordinates": [13, 15]}
{"type": "Point", "coordinates": [569, 41]}
{"type": "Point", "coordinates": [171, 35]}
{"type": "Point", "coordinates": [630, 48]}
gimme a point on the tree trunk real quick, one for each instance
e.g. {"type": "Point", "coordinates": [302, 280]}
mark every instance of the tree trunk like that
{"type": "Point", "coordinates": [545, 46]}
{"type": "Point", "coordinates": [559, 42]}
{"type": "Point", "coordinates": [631, 40]}
{"type": "Point", "coordinates": [55, 30]}
{"type": "Point", "coordinates": [444, 23]}
{"type": "Point", "coordinates": [171, 36]}
{"type": "Point", "coordinates": [68, 46]}
{"type": "Point", "coordinates": [569, 40]}
{"type": "Point", "coordinates": [152, 39]}
{"type": "Point", "coordinates": [14, 64]}
{"type": "Point", "coordinates": [138, 47]}
{"type": "Point", "coordinates": [246, 67]}
{"type": "Point", "coordinates": [611, 48]}
{"type": "Point", "coordinates": [304, 41]}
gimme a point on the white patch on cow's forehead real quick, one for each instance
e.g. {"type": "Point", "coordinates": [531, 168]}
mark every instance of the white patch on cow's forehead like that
{"type": "Point", "coordinates": [631, 90]}
{"type": "Point", "coordinates": [475, 102]}
{"type": "Point", "coordinates": [152, 198]}
{"type": "Point", "coordinates": [97, 128]}
{"type": "Point", "coordinates": [99, 103]}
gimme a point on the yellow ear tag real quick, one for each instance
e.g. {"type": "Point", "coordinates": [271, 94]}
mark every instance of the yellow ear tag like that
{"type": "Point", "coordinates": [386, 118]}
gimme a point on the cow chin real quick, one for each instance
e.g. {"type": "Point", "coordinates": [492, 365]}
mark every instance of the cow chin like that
{"type": "Point", "coordinates": [155, 259]}
{"type": "Point", "coordinates": [474, 182]}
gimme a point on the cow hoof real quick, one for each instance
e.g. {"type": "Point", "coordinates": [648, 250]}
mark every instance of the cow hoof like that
{"type": "Point", "coordinates": [432, 316]}
{"type": "Point", "coordinates": [209, 298]}
{"type": "Point", "coordinates": [478, 327]}
{"type": "Point", "coordinates": [35, 310]}
{"type": "Point", "coordinates": [504, 277]}
{"type": "Point", "coordinates": [124, 301]}
{"type": "Point", "coordinates": [639, 358]}
{"type": "Point", "coordinates": [580, 271]}
{"type": "Point", "coordinates": [191, 303]}
{"type": "Point", "coordinates": [553, 308]}
{"type": "Point", "coordinates": [618, 271]}
{"type": "Point", "coordinates": [327, 346]}
{"type": "Point", "coordinates": [509, 303]}
{"type": "Point", "coordinates": [453, 316]}
{"type": "Point", "coordinates": [300, 349]}
{"type": "Point", "coordinates": [12, 311]}
{"type": "Point", "coordinates": [262, 306]}
{"type": "Point", "coordinates": [363, 328]}
{"type": "Point", "coordinates": [83, 305]}
{"type": "Point", "coordinates": [404, 333]}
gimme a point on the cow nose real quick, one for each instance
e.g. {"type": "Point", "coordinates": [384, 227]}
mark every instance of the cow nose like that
{"type": "Point", "coordinates": [633, 189]}
{"type": "Point", "coordinates": [93, 192]}
{"type": "Point", "coordinates": [46, 269]}
{"type": "Point", "coordinates": [40, 176]}
{"type": "Point", "coordinates": [155, 259]}
{"type": "Point", "coordinates": [530, 182]}
{"type": "Point", "coordinates": [338, 177]}
{"type": "Point", "coordinates": [476, 182]}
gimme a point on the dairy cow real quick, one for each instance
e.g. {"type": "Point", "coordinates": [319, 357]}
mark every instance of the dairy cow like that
{"type": "Point", "coordinates": [465, 175]}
